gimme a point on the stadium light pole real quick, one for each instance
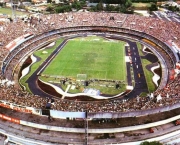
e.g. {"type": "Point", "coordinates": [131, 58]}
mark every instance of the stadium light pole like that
{"type": "Point", "coordinates": [12, 8]}
{"type": "Point", "coordinates": [86, 128]}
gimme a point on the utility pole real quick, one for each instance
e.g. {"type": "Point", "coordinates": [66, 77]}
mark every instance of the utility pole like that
{"type": "Point", "coordinates": [86, 129]}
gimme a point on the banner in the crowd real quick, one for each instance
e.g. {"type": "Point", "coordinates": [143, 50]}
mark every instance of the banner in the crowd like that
{"type": "Point", "coordinates": [21, 109]}
{"type": "Point", "coordinates": [173, 45]}
{"type": "Point", "coordinates": [14, 120]}
{"type": "Point", "coordinates": [17, 41]}
{"type": "Point", "coordinates": [17, 108]}
{"type": "Point", "coordinates": [62, 114]}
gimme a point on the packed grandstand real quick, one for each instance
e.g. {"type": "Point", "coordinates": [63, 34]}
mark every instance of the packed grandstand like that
{"type": "Point", "coordinates": [166, 32]}
{"type": "Point", "coordinates": [19, 38]}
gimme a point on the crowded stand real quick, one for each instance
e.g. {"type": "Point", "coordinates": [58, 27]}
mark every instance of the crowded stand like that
{"type": "Point", "coordinates": [23, 52]}
{"type": "Point", "coordinates": [169, 96]}
{"type": "Point", "coordinates": [39, 26]}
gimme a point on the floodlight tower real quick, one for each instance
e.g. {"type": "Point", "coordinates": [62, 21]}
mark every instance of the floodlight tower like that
{"type": "Point", "coordinates": [13, 8]}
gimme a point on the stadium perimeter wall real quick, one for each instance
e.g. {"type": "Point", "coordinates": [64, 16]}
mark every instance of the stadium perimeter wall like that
{"type": "Point", "coordinates": [106, 115]}
{"type": "Point", "coordinates": [82, 130]}
{"type": "Point", "coordinates": [64, 115]}
{"type": "Point", "coordinates": [107, 130]}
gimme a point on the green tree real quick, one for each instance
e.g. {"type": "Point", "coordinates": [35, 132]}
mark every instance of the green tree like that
{"type": "Point", "coordinates": [122, 9]}
{"type": "Point", "coordinates": [128, 3]}
{"type": "Point", "coordinates": [100, 6]}
{"type": "Point", "coordinates": [82, 2]}
{"type": "Point", "coordinates": [1, 4]}
{"type": "Point", "coordinates": [93, 9]}
{"type": "Point", "coordinates": [62, 9]}
{"type": "Point", "coordinates": [178, 9]}
{"type": "Point", "coordinates": [49, 1]}
{"type": "Point", "coordinates": [50, 9]}
{"type": "Point", "coordinates": [110, 8]}
{"type": "Point", "coordinates": [171, 8]}
{"type": "Point", "coordinates": [76, 5]}
{"type": "Point", "coordinates": [153, 7]}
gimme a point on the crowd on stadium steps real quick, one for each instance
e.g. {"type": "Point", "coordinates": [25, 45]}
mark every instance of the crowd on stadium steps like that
{"type": "Point", "coordinates": [23, 52]}
{"type": "Point", "coordinates": [155, 27]}
{"type": "Point", "coordinates": [37, 26]}
{"type": "Point", "coordinates": [168, 96]}
{"type": "Point", "coordinates": [162, 30]}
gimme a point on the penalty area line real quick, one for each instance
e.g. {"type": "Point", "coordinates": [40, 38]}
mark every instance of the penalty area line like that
{"type": "Point", "coordinates": [51, 58]}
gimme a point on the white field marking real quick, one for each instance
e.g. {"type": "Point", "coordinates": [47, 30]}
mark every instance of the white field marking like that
{"type": "Point", "coordinates": [68, 87]}
{"type": "Point", "coordinates": [106, 75]}
{"type": "Point", "coordinates": [86, 68]}
{"type": "Point", "coordinates": [51, 59]}
{"type": "Point", "coordinates": [124, 65]}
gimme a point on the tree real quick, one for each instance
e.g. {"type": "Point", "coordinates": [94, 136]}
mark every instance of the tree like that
{"type": "Point", "coordinates": [100, 6]}
{"type": "Point", "coordinates": [171, 8]}
{"type": "Point", "coordinates": [50, 9]}
{"type": "Point", "coordinates": [110, 8]}
{"type": "Point", "coordinates": [83, 2]}
{"type": "Point", "coordinates": [178, 9]}
{"type": "Point", "coordinates": [128, 3]}
{"type": "Point", "coordinates": [49, 1]}
{"type": "Point", "coordinates": [122, 9]}
{"type": "Point", "coordinates": [62, 9]}
{"type": "Point", "coordinates": [76, 5]}
{"type": "Point", "coordinates": [153, 7]}
{"type": "Point", "coordinates": [93, 9]}
{"type": "Point", "coordinates": [2, 4]}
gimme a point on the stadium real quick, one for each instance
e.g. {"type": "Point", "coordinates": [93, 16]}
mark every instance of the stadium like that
{"type": "Point", "coordinates": [83, 78]}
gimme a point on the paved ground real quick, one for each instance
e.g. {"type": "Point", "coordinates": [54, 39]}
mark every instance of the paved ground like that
{"type": "Point", "coordinates": [140, 81]}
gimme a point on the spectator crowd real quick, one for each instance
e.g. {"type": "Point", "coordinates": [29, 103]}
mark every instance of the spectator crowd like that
{"type": "Point", "coordinates": [39, 27]}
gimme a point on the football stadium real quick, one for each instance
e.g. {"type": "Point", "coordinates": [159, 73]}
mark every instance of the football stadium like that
{"type": "Point", "coordinates": [89, 78]}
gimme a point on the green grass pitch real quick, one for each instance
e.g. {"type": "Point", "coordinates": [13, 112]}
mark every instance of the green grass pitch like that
{"type": "Point", "coordinates": [97, 57]}
{"type": "Point", "coordinates": [8, 11]}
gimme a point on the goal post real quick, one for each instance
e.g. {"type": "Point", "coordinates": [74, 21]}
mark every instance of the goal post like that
{"type": "Point", "coordinates": [81, 77]}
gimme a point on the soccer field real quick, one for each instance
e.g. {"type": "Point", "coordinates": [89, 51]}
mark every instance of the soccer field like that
{"type": "Point", "coordinates": [94, 56]}
{"type": "Point", "coordinates": [8, 11]}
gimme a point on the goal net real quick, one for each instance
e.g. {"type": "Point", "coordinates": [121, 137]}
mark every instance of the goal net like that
{"type": "Point", "coordinates": [81, 77]}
